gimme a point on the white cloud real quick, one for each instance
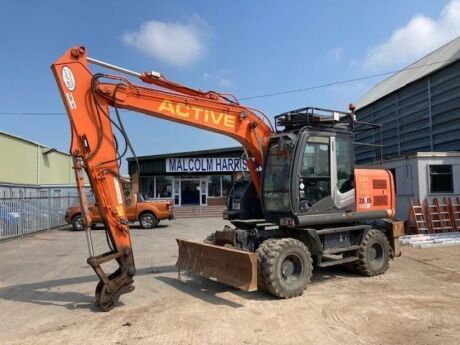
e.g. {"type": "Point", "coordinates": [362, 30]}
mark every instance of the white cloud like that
{"type": "Point", "coordinates": [417, 38]}
{"type": "Point", "coordinates": [335, 54]}
{"type": "Point", "coordinates": [176, 43]}
{"type": "Point", "coordinates": [221, 78]}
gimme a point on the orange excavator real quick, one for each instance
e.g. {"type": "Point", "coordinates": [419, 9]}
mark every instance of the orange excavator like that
{"type": "Point", "coordinates": [302, 203]}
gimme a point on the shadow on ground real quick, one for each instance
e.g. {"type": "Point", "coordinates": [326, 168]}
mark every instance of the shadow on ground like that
{"type": "Point", "coordinates": [207, 289]}
{"type": "Point", "coordinates": [47, 292]}
{"type": "Point", "coordinates": [134, 226]}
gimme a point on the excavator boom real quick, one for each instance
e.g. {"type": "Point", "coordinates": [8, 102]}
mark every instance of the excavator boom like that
{"type": "Point", "coordinates": [87, 98]}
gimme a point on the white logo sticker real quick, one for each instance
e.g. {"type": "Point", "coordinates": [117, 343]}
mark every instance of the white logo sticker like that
{"type": "Point", "coordinates": [69, 80]}
{"type": "Point", "coordinates": [117, 190]}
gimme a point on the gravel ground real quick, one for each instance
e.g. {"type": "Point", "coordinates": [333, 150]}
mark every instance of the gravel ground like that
{"type": "Point", "coordinates": [46, 297]}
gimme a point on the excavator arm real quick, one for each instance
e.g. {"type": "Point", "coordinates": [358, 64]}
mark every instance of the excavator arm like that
{"type": "Point", "coordinates": [87, 98]}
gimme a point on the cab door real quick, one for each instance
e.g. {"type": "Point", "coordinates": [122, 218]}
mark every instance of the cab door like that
{"type": "Point", "coordinates": [325, 181]}
{"type": "Point", "coordinates": [314, 172]}
{"type": "Point", "coordinates": [342, 172]}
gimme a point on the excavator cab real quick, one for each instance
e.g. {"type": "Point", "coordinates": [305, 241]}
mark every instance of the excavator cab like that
{"type": "Point", "coordinates": [309, 170]}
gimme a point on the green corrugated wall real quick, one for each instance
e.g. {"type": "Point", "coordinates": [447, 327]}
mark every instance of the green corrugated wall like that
{"type": "Point", "coordinates": [23, 162]}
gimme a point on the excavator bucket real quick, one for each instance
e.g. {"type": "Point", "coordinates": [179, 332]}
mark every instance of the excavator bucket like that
{"type": "Point", "coordinates": [230, 266]}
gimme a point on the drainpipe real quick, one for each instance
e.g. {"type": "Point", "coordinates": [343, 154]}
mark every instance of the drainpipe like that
{"type": "Point", "coordinates": [38, 164]}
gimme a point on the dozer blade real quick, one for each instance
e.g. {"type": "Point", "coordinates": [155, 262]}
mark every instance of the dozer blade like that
{"type": "Point", "coordinates": [233, 267]}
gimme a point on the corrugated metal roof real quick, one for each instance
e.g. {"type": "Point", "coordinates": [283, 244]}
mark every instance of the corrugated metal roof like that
{"type": "Point", "coordinates": [436, 60]}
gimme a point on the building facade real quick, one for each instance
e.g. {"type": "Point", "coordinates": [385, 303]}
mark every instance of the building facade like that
{"type": "Point", "coordinates": [190, 178]}
{"type": "Point", "coordinates": [37, 185]}
{"type": "Point", "coordinates": [30, 169]}
{"type": "Point", "coordinates": [419, 110]}
{"type": "Point", "coordinates": [424, 176]}
{"type": "Point", "coordinates": [418, 107]}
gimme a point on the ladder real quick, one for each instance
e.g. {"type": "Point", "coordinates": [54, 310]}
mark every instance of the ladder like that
{"type": "Point", "coordinates": [434, 216]}
{"type": "Point", "coordinates": [418, 215]}
{"type": "Point", "coordinates": [440, 218]}
{"type": "Point", "coordinates": [454, 209]}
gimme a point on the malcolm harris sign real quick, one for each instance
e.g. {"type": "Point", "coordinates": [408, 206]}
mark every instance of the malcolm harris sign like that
{"type": "Point", "coordinates": [187, 165]}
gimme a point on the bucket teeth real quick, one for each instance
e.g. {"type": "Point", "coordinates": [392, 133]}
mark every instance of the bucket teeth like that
{"type": "Point", "coordinates": [230, 266]}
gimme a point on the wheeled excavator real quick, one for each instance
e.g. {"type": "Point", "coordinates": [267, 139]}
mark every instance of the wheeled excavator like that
{"type": "Point", "coordinates": [303, 202]}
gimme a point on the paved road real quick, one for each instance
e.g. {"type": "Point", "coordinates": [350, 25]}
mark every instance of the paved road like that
{"type": "Point", "coordinates": [46, 297]}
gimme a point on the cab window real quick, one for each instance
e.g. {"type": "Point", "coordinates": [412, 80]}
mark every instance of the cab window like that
{"type": "Point", "coordinates": [344, 165]}
{"type": "Point", "coordinates": [277, 177]}
{"type": "Point", "coordinates": [315, 178]}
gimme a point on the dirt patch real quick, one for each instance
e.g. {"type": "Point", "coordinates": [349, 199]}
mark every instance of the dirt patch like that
{"type": "Point", "coordinates": [46, 295]}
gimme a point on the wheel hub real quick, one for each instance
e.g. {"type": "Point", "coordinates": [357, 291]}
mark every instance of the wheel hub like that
{"type": "Point", "coordinates": [148, 220]}
{"type": "Point", "coordinates": [291, 268]}
{"type": "Point", "coordinates": [376, 255]}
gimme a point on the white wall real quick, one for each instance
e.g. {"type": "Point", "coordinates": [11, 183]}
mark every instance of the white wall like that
{"type": "Point", "coordinates": [413, 180]}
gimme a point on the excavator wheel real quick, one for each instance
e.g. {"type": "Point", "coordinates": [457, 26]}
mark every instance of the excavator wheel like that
{"type": "Point", "coordinates": [374, 254]}
{"type": "Point", "coordinates": [285, 267]}
{"type": "Point", "coordinates": [261, 257]}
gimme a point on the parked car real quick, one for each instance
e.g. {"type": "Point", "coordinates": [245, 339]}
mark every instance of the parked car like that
{"type": "Point", "coordinates": [9, 219]}
{"type": "Point", "coordinates": [149, 213]}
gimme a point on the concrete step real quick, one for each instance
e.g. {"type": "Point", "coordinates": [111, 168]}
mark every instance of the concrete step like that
{"type": "Point", "coordinates": [198, 211]}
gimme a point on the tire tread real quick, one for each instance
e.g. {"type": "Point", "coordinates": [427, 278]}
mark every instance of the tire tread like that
{"type": "Point", "coordinates": [268, 252]}
{"type": "Point", "coordinates": [361, 265]}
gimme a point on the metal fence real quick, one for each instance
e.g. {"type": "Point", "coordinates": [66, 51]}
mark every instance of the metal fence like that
{"type": "Point", "coordinates": [21, 216]}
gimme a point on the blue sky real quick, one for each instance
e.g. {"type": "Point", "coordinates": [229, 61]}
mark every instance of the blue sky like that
{"type": "Point", "coordinates": [247, 48]}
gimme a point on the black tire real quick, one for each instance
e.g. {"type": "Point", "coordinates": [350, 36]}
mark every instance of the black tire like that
{"type": "Point", "coordinates": [261, 252]}
{"type": "Point", "coordinates": [373, 254]}
{"type": "Point", "coordinates": [148, 220]}
{"type": "Point", "coordinates": [93, 226]}
{"type": "Point", "coordinates": [285, 267]}
{"type": "Point", "coordinates": [77, 222]}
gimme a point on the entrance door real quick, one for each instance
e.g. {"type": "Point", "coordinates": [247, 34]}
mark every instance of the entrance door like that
{"type": "Point", "coordinates": [190, 192]}
{"type": "Point", "coordinates": [176, 191]}
{"type": "Point", "coordinates": [204, 191]}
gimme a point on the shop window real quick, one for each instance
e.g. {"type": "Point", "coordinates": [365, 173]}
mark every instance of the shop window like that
{"type": "Point", "coordinates": [226, 184]}
{"type": "Point", "coordinates": [164, 186]}
{"type": "Point", "coordinates": [441, 180]}
{"type": "Point", "coordinates": [147, 186]}
{"type": "Point", "coordinates": [214, 186]}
